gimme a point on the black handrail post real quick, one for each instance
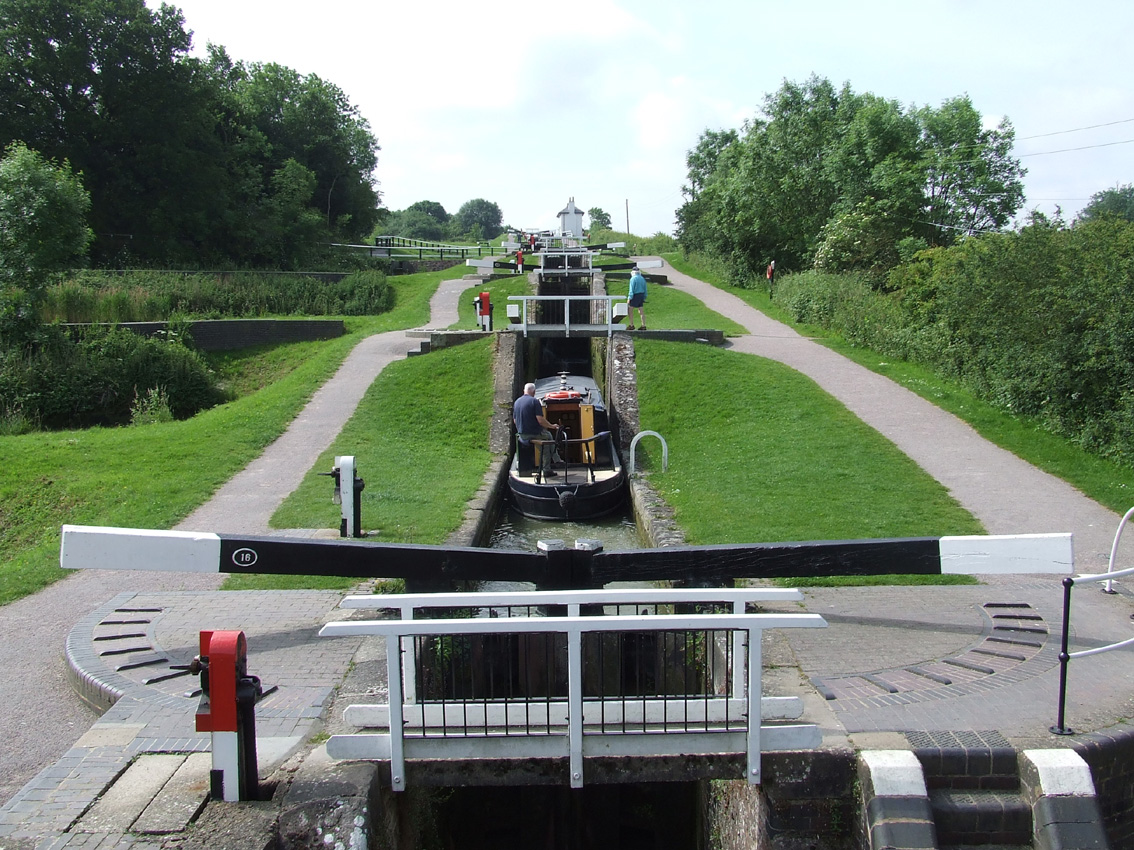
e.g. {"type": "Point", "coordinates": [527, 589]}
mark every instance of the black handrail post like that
{"type": "Point", "coordinates": [1064, 658]}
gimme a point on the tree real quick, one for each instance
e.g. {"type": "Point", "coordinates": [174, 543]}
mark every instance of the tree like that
{"type": "Point", "coordinates": [43, 230]}
{"type": "Point", "coordinates": [972, 182]}
{"type": "Point", "coordinates": [769, 193]}
{"type": "Point", "coordinates": [600, 220]}
{"type": "Point", "coordinates": [310, 121]}
{"type": "Point", "coordinates": [291, 230]}
{"type": "Point", "coordinates": [702, 160]}
{"type": "Point", "coordinates": [431, 208]}
{"type": "Point", "coordinates": [417, 224]}
{"type": "Point", "coordinates": [709, 163]}
{"type": "Point", "coordinates": [479, 219]}
{"type": "Point", "coordinates": [425, 220]}
{"type": "Point", "coordinates": [836, 178]}
{"type": "Point", "coordinates": [180, 155]}
{"type": "Point", "coordinates": [1118, 201]}
{"type": "Point", "coordinates": [107, 86]}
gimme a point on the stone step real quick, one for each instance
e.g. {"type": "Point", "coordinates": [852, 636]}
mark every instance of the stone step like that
{"type": "Point", "coordinates": [970, 760]}
{"type": "Point", "coordinates": [977, 817]}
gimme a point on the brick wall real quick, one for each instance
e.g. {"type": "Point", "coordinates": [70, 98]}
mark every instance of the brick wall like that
{"type": "Point", "coordinates": [1110, 754]}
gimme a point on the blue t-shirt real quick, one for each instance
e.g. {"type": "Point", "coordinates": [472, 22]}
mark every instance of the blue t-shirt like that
{"type": "Point", "coordinates": [524, 412]}
{"type": "Point", "coordinates": [638, 285]}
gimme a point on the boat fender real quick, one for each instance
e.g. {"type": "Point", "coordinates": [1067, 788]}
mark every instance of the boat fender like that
{"type": "Point", "coordinates": [566, 499]}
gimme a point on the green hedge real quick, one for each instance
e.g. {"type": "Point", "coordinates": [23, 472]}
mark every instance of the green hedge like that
{"type": "Point", "coordinates": [95, 376]}
{"type": "Point", "coordinates": [1039, 322]}
{"type": "Point", "coordinates": [149, 296]}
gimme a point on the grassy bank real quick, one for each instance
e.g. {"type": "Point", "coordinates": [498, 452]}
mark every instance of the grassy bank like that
{"type": "Point", "coordinates": [420, 441]}
{"type": "Point", "coordinates": [1109, 483]}
{"type": "Point", "coordinates": [758, 453]}
{"type": "Point", "coordinates": [155, 475]}
{"type": "Point", "coordinates": [419, 438]}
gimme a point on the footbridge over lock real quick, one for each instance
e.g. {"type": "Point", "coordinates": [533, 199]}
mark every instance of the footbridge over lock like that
{"type": "Point", "coordinates": [574, 684]}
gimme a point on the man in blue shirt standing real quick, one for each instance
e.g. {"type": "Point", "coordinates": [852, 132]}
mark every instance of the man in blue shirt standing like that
{"type": "Point", "coordinates": [531, 424]}
{"type": "Point", "coordinates": [637, 298]}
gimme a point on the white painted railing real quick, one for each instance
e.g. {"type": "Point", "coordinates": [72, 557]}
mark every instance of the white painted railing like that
{"type": "Point", "coordinates": [664, 449]}
{"type": "Point", "coordinates": [724, 715]}
{"type": "Point", "coordinates": [605, 313]}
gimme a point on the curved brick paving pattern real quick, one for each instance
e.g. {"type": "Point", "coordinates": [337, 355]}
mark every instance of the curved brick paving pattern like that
{"type": "Point", "coordinates": [1014, 645]}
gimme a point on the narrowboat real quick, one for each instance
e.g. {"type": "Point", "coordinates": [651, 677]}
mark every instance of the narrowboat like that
{"type": "Point", "coordinates": [588, 480]}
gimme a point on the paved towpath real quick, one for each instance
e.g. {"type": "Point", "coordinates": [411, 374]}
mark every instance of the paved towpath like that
{"type": "Point", "coordinates": [1006, 494]}
{"type": "Point", "coordinates": [40, 708]}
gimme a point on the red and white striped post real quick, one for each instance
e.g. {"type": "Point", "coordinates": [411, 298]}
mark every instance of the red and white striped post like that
{"type": "Point", "coordinates": [227, 710]}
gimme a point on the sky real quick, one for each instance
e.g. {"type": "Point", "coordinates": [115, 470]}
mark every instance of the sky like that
{"type": "Point", "coordinates": [530, 104]}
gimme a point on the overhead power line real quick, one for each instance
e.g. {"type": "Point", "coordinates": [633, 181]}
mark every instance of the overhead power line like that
{"type": "Point", "coordinates": [1083, 148]}
{"type": "Point", "coordinates": [1075, 130]}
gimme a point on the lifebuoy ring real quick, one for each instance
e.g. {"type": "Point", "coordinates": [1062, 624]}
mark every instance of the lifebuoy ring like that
{"type": "Point", "coordinates": [559, 395]}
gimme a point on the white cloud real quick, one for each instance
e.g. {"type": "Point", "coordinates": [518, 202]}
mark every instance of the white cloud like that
{"type": "Point", "coordinates": [529, 104]}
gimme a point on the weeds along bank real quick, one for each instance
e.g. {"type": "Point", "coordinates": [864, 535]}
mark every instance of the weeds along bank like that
{"type": "Point", "coordinates": [60, 377]}
{"type": "Point", "coordinates": [147, 296]}
{"type": "Point", "coordinates": [1039, 322]}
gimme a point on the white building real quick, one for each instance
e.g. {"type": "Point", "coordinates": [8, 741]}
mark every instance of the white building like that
{"type": "Point", "coordinates": [571, 220]}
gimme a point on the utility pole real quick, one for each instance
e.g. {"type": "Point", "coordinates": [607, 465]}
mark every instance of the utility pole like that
{"type": "Point", "coordinates": [627, 216]}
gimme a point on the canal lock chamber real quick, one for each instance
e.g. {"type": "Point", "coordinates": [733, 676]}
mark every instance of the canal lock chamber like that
{"type": "Point", "coordinates": [654, 814]}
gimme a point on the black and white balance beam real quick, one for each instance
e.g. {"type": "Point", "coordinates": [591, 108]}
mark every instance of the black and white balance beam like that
{"type": "Point", "coordinates": [98, 547]}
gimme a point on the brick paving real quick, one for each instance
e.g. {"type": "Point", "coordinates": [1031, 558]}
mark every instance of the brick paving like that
{"type": "Point", "coordinates": [948, 663]}
{"type": "Point", "coordinates": [148, 711]}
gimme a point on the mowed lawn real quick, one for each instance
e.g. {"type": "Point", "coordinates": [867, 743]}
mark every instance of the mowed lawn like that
{"type": "Point", "coordinates": [420, 442]}
{"type": "Point", "coordinates": [759, 453]}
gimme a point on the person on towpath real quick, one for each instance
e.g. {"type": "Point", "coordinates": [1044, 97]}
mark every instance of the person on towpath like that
{"type": "Point", "coordinates": [637, 298]}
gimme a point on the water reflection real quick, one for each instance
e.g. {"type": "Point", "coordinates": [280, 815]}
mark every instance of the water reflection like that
{"type": "Point", "coordinates": [516, 531]}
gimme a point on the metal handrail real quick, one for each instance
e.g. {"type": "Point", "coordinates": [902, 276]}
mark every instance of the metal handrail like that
{"type": "Point", "coordinates": [664, 449]}
{"type": "Point", "coordinates": [738, 598]}
{"type": "Point", "coordinates": [1065, 656]}
{"type": "Point", "coordinates": [607, 322]}
{"type": "Point", "coordinates": [422, 247]}
{"type": "Point", "coordinates": [407, 603]}
{"type": "Point", "coordinates": [1114, 547]}
{"type": "Point", "coordinates": [592, 454]}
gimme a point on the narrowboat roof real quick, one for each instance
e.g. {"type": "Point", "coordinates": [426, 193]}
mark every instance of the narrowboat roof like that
{"type": "Point", "coordinates": [585, 385]}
